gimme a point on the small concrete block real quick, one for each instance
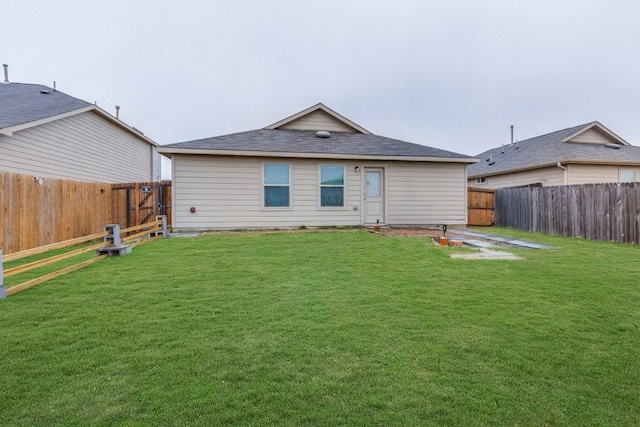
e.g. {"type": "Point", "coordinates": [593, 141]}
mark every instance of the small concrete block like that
{"type": "Point", "coordinates": [114, 250]}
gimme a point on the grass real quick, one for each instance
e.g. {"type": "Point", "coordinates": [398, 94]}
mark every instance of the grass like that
{"type": "Point", "coordinates": [328, 328]}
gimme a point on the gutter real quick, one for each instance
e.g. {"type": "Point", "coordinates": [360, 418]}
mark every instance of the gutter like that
{"type": "Point", "coordinates": [548, 165]}
{"type": "Point", "coordinates": [313, 155]}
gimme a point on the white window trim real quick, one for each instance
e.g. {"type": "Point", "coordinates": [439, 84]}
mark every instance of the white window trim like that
{"type": "Point", "coordinates": [344, 188]}
{"type": "Point", "coordinates": [481, 180]}
{"type": "Point", "coordinates": [263, 185]}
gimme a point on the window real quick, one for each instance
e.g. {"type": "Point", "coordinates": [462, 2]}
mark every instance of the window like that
{"type": "Point", "coordinates": [481, 180]}
{"type": "Point", "coordinates": [331, 186]}
{"type": "Point", "coordinates": [276, 185]}
{"type": "Point", "coordinates": [627, 175]}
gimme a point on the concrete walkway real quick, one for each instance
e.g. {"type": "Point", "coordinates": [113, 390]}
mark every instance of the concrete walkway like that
{"type": "Point", "coordinates": [490, 240]}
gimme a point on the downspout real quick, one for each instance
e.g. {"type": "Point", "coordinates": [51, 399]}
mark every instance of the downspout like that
{"type": "Point", "coordinates": [566, 173]}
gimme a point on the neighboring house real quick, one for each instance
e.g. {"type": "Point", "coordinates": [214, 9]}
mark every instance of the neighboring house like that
{"type": "Point", "coordinates": [584, 154]}
{"type": "Point", "coordinates": [44, 132]}
{"type": "Point", "coordinates": [315, 168]}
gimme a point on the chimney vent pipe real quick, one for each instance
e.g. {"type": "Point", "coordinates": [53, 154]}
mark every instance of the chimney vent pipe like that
{"type": "Point", "coordinates": [511, 134]}
{"type": "Point", "coordinates": [6, 73]}
{"type": "Point", "coordinates": [117, 111]}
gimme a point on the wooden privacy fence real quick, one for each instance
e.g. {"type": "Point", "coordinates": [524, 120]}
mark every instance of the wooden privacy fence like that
{"type": "Point", "coordinates": [135, 203]}
{"type": "Point", "coordinates": [480, 205]}
{"type": "Point", "coordinates": [40, 211]}
{"type": "Point", "coordinates": [112, 242]}
{"type": "Point", "coordinates": [608, 212]}
{"type": "Point", "coordinates": [37, 211]}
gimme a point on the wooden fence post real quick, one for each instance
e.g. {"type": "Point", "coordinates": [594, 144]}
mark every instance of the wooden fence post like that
{"type": "Point", "coordinates": [3, 290]}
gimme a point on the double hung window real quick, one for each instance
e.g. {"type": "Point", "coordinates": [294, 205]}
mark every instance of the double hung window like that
{"type": "Point", "coordinates": [331, 186]}
{"type": "Point", "coordinates": [276, 180]}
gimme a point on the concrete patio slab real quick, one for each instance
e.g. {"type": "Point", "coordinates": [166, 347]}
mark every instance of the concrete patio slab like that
{"type": "Point", "coordinates": [500, 239]}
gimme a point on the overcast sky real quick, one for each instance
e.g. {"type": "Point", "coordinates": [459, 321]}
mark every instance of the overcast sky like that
{"type": "Point", "coordinates": [449, 74]}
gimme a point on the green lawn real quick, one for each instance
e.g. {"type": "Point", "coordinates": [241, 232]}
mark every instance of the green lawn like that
{"type": "Point", "coordinates": [328, 328]}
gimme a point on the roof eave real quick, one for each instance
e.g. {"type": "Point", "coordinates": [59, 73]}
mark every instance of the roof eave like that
{"type": "Point", "coordinates": [286, 154]}
{"type": "Point", "coordinates": [10, 130]}
{"type": "Point", "coordinates": [520, 169]}
{"type": "Point", "coordinates": [124, 126]}
{"type": "Point", "coordinates": [561, 162]}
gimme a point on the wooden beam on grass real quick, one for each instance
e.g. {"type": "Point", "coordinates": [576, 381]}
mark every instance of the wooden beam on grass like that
{"type": "Point", "coordinates": [151, 226]}
{"type": "Point", "coordinates": [31, 283]}
{"type": "Point", "coordinates": [50, 260]}
{"type": "Point", "coordinates": [59, 245]}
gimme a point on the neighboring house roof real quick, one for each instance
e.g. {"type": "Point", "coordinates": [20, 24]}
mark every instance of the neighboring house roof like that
{"type": "Point", "coordinates": [570, 145]}
{"type": "Point", "coordinates": [27, 105]}
{"type": "Point", "coordinates": [275, 142]}
{"type": "Point", "coordinates": [24, 103]}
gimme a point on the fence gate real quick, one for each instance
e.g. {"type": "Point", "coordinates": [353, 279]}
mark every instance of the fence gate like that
{"type": "Point", "coordinates": [139, 202]}
{"type": "Point", "coordinates": [480, 206]}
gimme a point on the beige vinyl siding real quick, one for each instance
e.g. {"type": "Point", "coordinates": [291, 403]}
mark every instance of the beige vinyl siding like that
{"type": "Point", "coordinates": [426, 194]}
{"type": "Point", "coordinates": [227, 193]}
{"type": "Point", "coordinates": [545, 176]}
{"type": "Point", "coordinates": [317, 120]}
{"type": "Point", "coordinates": [597, 174]}
{"type": "Point", "coordinates": [593, 136]}
{"type": "Point", "coordinates": [83, 147]}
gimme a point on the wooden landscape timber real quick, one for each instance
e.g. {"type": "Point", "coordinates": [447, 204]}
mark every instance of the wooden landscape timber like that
{"type": "Point", "coordinates": [111, 244]}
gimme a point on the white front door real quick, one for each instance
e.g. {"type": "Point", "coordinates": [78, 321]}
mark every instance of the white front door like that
{"type": "Point", "coordinates": [374, 196]}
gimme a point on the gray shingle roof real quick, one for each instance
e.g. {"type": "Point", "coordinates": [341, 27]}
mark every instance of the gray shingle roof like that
{"type": "Point", "coordinates": [548, 150]}
{"type": "Point", "coordinates": [23, 103]}
{"type": "Point", "coordinates": [296, 141]}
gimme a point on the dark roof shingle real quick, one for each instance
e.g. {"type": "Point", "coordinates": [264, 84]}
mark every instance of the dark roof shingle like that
{"type": "Point", "coordinates": [297, 141]}
{"type": "Point", "coordinates": [23, 103]}
{"type": "Point", "coordinates": [547, 150]}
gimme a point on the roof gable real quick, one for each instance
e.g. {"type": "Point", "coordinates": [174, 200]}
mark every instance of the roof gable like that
{"type": "Point", "coordinates": [318, 117]}
{"type": "Point", "coordinates": [595, 133]}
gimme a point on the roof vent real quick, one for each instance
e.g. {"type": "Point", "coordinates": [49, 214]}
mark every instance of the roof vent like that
{"type": "Point", "coordinates": [612, 145]}
{"type": "Point", "coordinates": [492, 163]}
{"type": "Point", "coordinates": [45, 91]}
{"type": "Point", "coordinates": [6, 73]}
{"type": "Point", "coordinates": [323, 134]}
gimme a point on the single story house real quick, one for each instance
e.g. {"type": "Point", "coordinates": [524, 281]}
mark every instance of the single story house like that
{"type": "Point", "coordinates": [314, 168]}
{"type": "Point", "coordinates": [585, 154]}
{"type": "Point", "coordinates": [44, 132]}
